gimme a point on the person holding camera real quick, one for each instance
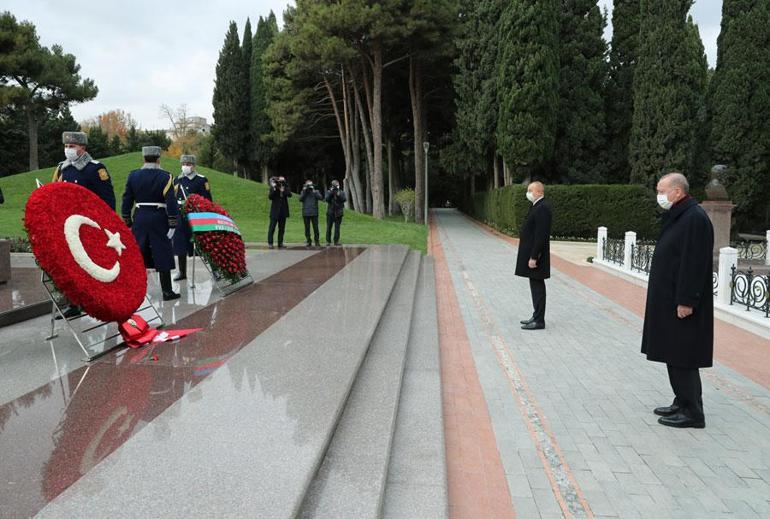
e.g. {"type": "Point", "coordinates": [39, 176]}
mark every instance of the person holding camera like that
{"type": "Point", "coordinates": [309, 199]}
{"type": "Point", "coordinates": [335, 197]}
{"type": "Point", "coordinates": [279, 195]}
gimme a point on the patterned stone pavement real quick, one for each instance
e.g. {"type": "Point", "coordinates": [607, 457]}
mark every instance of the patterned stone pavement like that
{"type": "Point", "coordinates": [571, 406]}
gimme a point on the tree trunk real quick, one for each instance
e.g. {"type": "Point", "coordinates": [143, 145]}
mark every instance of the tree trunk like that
{"type": "Point", "coordinates": [356, 188]}
{"type": "Point", "coordinates": [367, 141]}
{"type": "Point", "coordinates": [393, 184]}
{"type": "Point", "coordinates": [473, 185]}
{"type": "Point", "coordinates": [377, 185]}
{"type": "Point", "coordinates": [34, 164]}
{"type": "Point", "coordinates": [415, 93]}
{"type": "Point", "coordinates": [265, 173]}
{"type": "Point", "coordinates": [496, 169]}
{"type": "Point", "coordinates": [506, 174]}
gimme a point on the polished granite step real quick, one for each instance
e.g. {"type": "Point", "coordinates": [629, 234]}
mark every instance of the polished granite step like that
{"type": "Point", "coordinates": [417, 484]}
{"type": "Point", "coordinates": [247, 439]}
{"type": "Point", "coordinates": [351, 480]}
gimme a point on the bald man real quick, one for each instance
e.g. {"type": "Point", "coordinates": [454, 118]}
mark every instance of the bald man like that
{"type": "Point", "coordinates": [679, 317]}
{"type": "Point", "coordinates": [534, 258]}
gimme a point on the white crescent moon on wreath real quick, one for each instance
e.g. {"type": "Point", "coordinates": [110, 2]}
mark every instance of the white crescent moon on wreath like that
{"type": "Point", "coordinates": [72, 235]}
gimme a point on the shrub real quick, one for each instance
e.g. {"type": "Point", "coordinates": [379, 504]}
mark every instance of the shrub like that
{"type": "Point", "coordinates": [405, 200]}
{"type": "Point", "coordinates": [578, 210]}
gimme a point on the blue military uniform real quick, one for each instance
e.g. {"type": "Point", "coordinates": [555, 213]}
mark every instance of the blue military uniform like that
{"type": "Point", "coordinates": [185, 186]}
{"type": "Point", "coordinates": [93, 176]}
{"type": "Point", "coordinates": [151, 188]}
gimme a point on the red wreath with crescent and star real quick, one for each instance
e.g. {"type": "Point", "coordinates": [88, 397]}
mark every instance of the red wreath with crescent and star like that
{"type": "Point", "coordinates": [87, 250]}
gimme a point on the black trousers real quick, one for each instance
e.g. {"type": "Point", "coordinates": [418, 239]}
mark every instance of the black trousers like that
{"type": "Point", "coordinates": [281, 224]}
{"type": "Point", "coordinates": [687, 390]}
{"type": "Point", "coordinates": [537, 288]}
{"type": "Point", "coordinates": [335, 222]}
{"type": "Point", "coordinates": [314, 221]}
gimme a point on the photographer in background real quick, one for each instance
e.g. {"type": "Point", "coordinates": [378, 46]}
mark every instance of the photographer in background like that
{"type": "Point", "coordinates": [279, 209]}
{"type": "Point", "coordinates": [309, 199]}
{"type": "Point", "coordinates": [335, 197]}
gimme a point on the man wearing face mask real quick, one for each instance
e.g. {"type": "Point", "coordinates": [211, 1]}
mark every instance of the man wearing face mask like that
{"type": "Point", "coordinates": [279, 195]}
{"type": "Point", "coordinates": [155, 217]}
{"type": "Point", "coordinates": [79, 168]}
{"type": "Point", "coordinates": [189, 182]}
{"type": "Point", "coordinates": [679, 317]}
{"type": "Point", "coordinates": [534, 257]}
{"type": "Point", "coordinates": [336, 198]}
{"type": "Point", "coordinates": [309, 199]}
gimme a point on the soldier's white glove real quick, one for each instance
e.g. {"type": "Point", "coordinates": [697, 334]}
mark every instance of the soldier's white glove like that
{"type": "Point", "coordinates": [170, 233]}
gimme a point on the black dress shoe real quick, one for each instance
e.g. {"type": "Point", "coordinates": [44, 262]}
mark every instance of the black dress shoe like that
{"type": "Point", "coordinates": [170, 296]}
{"type": "Point", "coordinates": [270, 247]}
{"type": "Point", "coordinates": [534, 326]}
{"type": "Point", "coordinates": [682, 421]}
{"type": "Point", "coordinates": [530, 320]}
{"type": "Point", "coordinates": [69, 313]}
{"type": "Point", "coordinates": [666, 411]}
{"type": "Point", "coordinates": [180, 277]}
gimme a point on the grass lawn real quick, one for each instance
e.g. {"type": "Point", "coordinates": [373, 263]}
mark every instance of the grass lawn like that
{"type": "Point", "coordinates": [245, 200]}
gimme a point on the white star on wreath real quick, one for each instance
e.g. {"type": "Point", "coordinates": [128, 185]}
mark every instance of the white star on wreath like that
{"type": "Point", "coordinates": [113, 241]}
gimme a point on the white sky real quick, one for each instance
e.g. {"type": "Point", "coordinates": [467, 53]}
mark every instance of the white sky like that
{"type": "Point", "coordinates": [146, 53]}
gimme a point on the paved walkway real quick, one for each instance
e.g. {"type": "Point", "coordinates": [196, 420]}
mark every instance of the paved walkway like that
{"type": "Point", "coordinates": [570, 407]}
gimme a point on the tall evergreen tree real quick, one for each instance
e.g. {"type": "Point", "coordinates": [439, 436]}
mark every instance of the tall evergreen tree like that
{"type": "Point", "coordinates": [624, 52]}
{"type": "Point", "coordinates": [229, 111]}
{"type": "Point", "coordinates": [580, 129]}
{"type": "Point", "coordinates": [528, 84]}
{"type": "Point", "coordinates": [246, 51]}
{"type": "Point", "coordinates": [669, 92]}
{"type": "Point", "coordinates": [261, 147]}
{"type": "Point", "coordinates": [739, 107]}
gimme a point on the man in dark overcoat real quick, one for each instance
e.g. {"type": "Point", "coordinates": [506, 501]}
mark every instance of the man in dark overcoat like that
{"type": "Point", "coordinates": [279, 195]}
{"type": "Point", "coordinates": [187, 183]}
{"type": "Point", "coordinates": [679, 318]}
{"type": "Point", "coordinates": [534, 258]}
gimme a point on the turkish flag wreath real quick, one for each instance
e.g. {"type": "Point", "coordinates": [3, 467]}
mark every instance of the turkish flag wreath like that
{"type": "Point", "coordinates": [87, 250]}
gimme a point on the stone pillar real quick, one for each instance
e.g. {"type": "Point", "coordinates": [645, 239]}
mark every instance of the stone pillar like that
{"type": "Point", "coordinates": [5, 261]}
{"type": "Point", "coordinates": [728, 258]}
{"type": "Point", "coordinates": [601, 236]}
{"type": "Point", "coordinates": [767, 248]}
{"type": "Point", "coordinates": [721, 215]}
{"type": "Point", "coordinates": [630, 243]}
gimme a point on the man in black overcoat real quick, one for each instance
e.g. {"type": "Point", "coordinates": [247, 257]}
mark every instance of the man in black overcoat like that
{"type": "Point", "coordinates": [534, 258]}
{"type": "Point", "coordinates": [679, 318]}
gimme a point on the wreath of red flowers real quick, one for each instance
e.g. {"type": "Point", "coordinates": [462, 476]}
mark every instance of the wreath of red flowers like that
{"type": "Point", "coordinates": [87, 250]}
{"type": "Point", "coordinates": [224, 251]}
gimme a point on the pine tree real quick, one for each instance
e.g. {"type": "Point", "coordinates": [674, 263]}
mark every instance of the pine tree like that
{"type": "Point", "coordinates": [739, 108]}
{"type": "Point", "coordinates": [229, 115]}
{"type": "Point", "coordinates": [261, 149]}
{"type": "Point", "coordinates": [580, 130]}
{"type": "Point", "coordinates": [624, 52]}
{"type": "Point", "coordinates": [528, 84]}
{"type": "Point", "coordinates": [669, 90]}
{"type": "Point", "coordinates": [246, 52]}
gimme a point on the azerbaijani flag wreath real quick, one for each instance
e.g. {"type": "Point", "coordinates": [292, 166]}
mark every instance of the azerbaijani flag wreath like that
{"type": "Point", "coordinates": [218, 242]}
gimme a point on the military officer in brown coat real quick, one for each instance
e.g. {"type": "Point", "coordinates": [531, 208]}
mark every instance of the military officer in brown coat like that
{"type": "Point", "coordinates": [679, 318]}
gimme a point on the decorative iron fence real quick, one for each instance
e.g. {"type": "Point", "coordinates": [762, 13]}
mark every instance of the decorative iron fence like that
{"type": "Point", "coordinates": [641, 256]}
{"type": "Point", "coordinates": [750, 291]}
{"type": "Point", "coordinates": [614, 250]}
{"type": "Point", "coordinates": [751, 250]}
{"type": "Point", "coordinates": [715, 282]}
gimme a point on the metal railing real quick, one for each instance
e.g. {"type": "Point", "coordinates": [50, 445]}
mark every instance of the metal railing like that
{"type": "Point", "coordinates": [614, 250]}
{"type": "Point", "coordinates": [751, 250]}
{"type": "Point", "coordinates": [641, 256]}
{"type": "Point", "coordinates": [750, 290]}
{"type": "Point", "coordinates": [715, 282]}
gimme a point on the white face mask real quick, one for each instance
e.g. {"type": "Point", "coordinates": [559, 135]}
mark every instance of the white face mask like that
{"type": "Point", "coordinates": [664, 202]}
{"type": "Point", "coordinates": [71, 154]}
{"type": "Point", "coordinates": [187, 170]}
{"type": "Point", "coordinates": [530, 197]}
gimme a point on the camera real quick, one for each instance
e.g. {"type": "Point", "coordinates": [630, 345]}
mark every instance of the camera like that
{"type": "Point", "coordinates": [309, 187]}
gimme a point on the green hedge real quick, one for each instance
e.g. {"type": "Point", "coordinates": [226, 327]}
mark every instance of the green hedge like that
{"type": "Point", "coordinates": [578, 210]}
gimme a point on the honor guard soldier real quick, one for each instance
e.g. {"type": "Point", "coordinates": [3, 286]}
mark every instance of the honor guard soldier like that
{"type": "Point", "coordinates": [155, 217]}
{"type": "Point", "coordinates": [187, 183]}
{"type": "Point", "coordinates": [79, 168]}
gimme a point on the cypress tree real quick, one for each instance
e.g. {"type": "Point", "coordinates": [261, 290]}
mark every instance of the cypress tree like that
{"type": "Point", "coordinates": [739, 108]}
{"type": "Point", "coordinates": [229, 115]}
{"type": "Point", "coordinates": [528, 84]}
{"type": "Point", "coordinates": [259, 125]}
{"type": "Point", "coordinates": [669, 89]}
{"type": "Point", "coordinates": [624, 53]}
{"type": "Point", "coordinates": [246, 51]}
{"type": "Point", "coordinates": [580, 130]}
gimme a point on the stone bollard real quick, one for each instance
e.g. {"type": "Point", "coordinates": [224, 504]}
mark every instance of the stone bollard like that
{"type": "Point", "coordinates": [728, 258]}
{"type": "Point", "coordinates": [5, 261]}
{"type": "Point", "coordinates": [767, 248]}
{"type": "Point", "coordinates": [601, 236]}
{"type": "Point", "coordinates": [630, 244]}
